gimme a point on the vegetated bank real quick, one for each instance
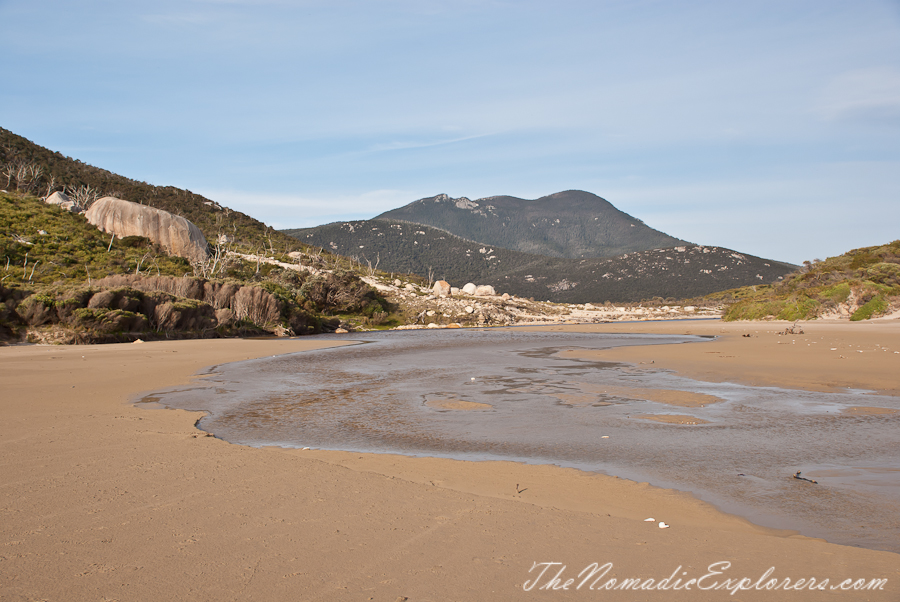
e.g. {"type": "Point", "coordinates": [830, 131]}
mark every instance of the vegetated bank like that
{"type": "Point", "coordinates": [63, 280]}
{"type": "Point", "coordinates": [860, 284]}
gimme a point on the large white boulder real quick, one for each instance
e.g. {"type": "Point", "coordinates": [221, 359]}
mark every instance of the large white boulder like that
{"type": "Point", "coordinates": [469, 288]}
{"type": "Point", "coordinates": [485, 290]}
{"type": "Point", "coordinates": [441, 287]}
{"type": "Point", "coordinates": [63, 200]}
{"type": "Point", "coordinates": [123, 218]}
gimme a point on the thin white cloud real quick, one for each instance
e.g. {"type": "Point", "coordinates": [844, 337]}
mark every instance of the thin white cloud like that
{"type": "Point", "coordinates": [403, 145]}
{"type": "Point", "coordinates": [867, 95]}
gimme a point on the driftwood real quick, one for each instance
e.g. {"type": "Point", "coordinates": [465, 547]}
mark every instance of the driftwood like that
{"type": "Point", "coordinates": [794, 329]}
{"type": "Point", "coordinates": [799, 478]}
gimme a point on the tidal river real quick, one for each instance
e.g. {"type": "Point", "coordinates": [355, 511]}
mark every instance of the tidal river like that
{"type": "Point", "coordinates": [490, 394]}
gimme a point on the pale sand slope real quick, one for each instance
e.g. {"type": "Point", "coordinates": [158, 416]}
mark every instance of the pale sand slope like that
{"type": "Point", "coordinates": [100, 500]}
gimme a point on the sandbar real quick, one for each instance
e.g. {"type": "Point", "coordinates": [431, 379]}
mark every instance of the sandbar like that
{"type": "Point", "coordinates": [451, 403]}
{"type": "Point", "coordinates": [672, 418]}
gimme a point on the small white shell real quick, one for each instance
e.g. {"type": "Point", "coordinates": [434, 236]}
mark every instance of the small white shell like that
{"type": "Point", "coordinates": [649, 520]}
{"type": "Point", "coordinates": [663, 525]}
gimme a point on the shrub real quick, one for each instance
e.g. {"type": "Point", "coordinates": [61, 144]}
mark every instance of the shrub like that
{"type": "Point", "coordinates": [753, 310]}
{"type": "Point", "coordinates": [884, 273]}
{"type": "Point", "coordinates": [838, 293]}
{"type": "Point", "coordinates": [799, 309]}
{"type": "Point", "coordinates": [876, 305]}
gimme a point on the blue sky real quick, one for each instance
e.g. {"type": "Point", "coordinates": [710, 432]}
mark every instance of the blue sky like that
{"type": "Point", "coordinates": [772, 128]}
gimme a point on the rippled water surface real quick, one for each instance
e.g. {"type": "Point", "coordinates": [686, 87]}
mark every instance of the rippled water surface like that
{"type": "Point", "coordinates": [516, 395]}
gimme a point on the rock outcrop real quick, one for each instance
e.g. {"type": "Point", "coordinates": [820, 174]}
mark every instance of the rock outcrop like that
{"type": "Point", "coordinates": [63, 200]}
{"type": "Point", "coordinates": [441, 287]}
{"type": "Point", "coordinates": [123, 218]}
{"type": "Point", "coordinates": [485, 290]}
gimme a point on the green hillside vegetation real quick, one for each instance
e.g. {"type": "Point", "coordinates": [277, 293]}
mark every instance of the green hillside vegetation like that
{"type": "Point", "coordinates": [42, 244]}
{"type": "Point", "coordinates": [62, 280]}
{"type": "Point", "coordinates": [30, 169]}
{"type": "Point", "coordinates": [677, 273]}
{"type": "Point", "coordinates": [862, 283]}
{"type": "Point", "coordinates": [573, 224]}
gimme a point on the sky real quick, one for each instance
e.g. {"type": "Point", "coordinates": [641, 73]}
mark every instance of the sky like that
{"type": "Point", "coordinates": [768, 127]}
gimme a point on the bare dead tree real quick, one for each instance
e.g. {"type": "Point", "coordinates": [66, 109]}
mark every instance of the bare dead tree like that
{"type": "Point", "coordinates": [370, 271]}
{"type": "Point", "coordinates": [215, 263]}
{"type": "Point", "coordinates": [137, 270]}
{"type": "Point", "coordinates": [51, 186]}
{"type": "Point", "coordinates": [83, 196]}
{"type": "Point", "coordinates": [27, 175]}
{"type": "Point", "coordinates": [8, 170]}
{"type": "Point", "coordinates": [271, 247]}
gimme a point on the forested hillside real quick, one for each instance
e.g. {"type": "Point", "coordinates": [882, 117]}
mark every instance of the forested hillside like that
{"type": "Point", "coordinates": [681, 272]}
{"type": "Point", "coordinates": [28, 168]}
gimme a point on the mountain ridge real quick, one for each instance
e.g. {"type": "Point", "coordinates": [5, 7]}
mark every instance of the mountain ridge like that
{"type": "Point", "coordinates": [571, 223]}
{"type": "Point", "coordinates": [682, 271]}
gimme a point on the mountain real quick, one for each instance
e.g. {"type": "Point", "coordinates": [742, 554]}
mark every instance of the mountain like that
{"type": "Point", "coordinates": [682, 271]}
{"type": "Point", "coordinates": [574, 224]}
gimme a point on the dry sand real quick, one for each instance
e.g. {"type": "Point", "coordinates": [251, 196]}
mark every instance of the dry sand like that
{"type": "Point", "coordinates": [105, 501]}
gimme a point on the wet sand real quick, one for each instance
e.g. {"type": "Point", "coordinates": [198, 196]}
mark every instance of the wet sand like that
{"type": "Point", "coordinates": [103, 500]}
{"type": "Point", "coordinates": [685, 399]}
{"type": "Point", "coordinates": [830, 356]}
{"type": "Point", "coordinates": [734, 446]}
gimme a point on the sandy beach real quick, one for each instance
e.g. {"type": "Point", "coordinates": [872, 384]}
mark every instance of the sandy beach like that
{"type": "Point", "coordinates": [102, 500]}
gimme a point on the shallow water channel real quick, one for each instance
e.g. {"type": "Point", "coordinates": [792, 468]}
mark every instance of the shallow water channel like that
{"type": "Point", "coordinates": [527, 396]}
